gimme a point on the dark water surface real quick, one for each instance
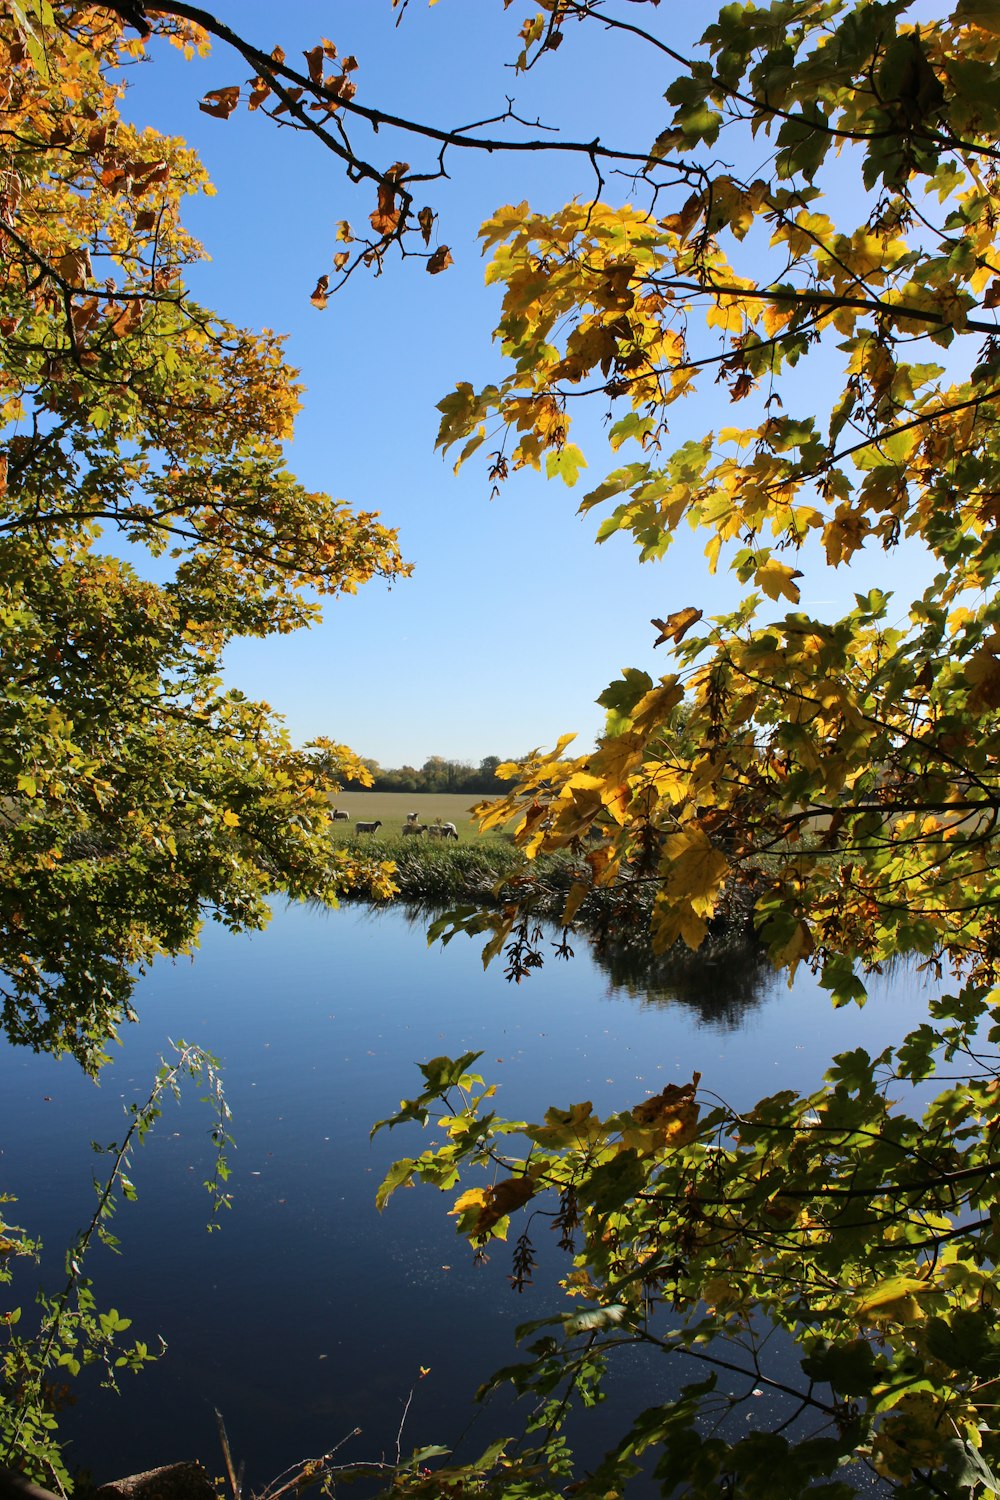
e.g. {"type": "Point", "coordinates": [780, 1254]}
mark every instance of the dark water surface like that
{"type": "Point", "coordinates": [308, 1314]}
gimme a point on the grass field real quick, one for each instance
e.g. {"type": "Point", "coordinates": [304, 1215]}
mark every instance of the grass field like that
{"type": "Point", "coordinates": [392, 808]}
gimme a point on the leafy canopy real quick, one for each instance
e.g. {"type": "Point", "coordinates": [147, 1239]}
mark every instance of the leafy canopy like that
{"type": "Point", "coordinates": [137, 795]}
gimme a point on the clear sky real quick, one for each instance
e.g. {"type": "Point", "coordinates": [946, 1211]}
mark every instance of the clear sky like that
{"type": "Point", "coordinates": [513, 620]}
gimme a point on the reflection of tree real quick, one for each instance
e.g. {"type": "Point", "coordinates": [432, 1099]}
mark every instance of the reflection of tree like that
{"type": "Point", "coordinates": [722, 982]}
{"type": "Point", "coordinates": [727, 978]}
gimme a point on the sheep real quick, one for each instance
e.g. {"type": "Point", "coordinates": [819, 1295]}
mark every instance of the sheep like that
{"type": "Point", "coordinates": [442, 831]}
{"type": "Point", "coordinates": [413, 827]}
{"type": "Point", "coordinates": [339, 816]}
{"type": "Point", "coordinates": [413, 817]}
{"type": "Point", "coordinates": [368, 827]}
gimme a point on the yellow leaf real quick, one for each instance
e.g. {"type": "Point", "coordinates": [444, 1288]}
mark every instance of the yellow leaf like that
{"type": "Point", "coordinates": [894, 1298]}
{"type": "Point", "coordinates": [472, 1198]}
{"type": "Point", "coordinates": [695, 870]}
{"type": "Point", "coordinates": [725, 313]}
{"type": "Point", "coordinates": [574, 900]}
{"type": "Point", "coordinates": [776, 580]}
{"type": "Point", "coordinates": [676, 626]}
{"type": "Point", "coordinates": [799, 946]}
{"type": "Point", "coordinates": [230, 819]}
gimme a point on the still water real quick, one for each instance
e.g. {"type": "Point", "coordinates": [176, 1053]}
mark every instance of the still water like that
{"type": "Point", "coordinates": [308, 1314]}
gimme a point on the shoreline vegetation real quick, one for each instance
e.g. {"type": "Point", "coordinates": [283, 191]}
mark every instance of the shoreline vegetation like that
{"type": "Point", "coordinates": [489, 872]}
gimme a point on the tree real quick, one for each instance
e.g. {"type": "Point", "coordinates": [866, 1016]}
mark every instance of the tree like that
{"type": "Point", "coordinates": [137, 794]}
{"type": "Point", "coordinates": [844, 772]}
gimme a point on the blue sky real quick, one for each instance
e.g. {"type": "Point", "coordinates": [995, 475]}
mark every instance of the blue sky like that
{"type": "Point", "coordinates": [513, 620]}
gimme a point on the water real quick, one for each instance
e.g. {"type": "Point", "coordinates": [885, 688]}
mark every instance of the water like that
{"type": "Point", "coordinates": [309, 1314]}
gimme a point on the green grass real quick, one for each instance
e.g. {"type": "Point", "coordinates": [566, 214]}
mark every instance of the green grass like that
{"type": "Point", "coordinates": [393, 808]}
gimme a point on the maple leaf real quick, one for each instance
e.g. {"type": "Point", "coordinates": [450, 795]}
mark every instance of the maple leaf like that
{"type": "Point", "coordinates": [676, 626]}
{"type": "Point", "coordinates": [220, 102]}
{"type": "Point", "coordinates": [777, 580]}
{"type": "Point", "coordinates": [440, 260]}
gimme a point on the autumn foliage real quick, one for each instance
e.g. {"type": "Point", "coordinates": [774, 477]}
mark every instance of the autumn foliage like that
{"type": "Point", "coordinates": [809, 241]}
{"type": "Point", "coordinates": [138, 794]}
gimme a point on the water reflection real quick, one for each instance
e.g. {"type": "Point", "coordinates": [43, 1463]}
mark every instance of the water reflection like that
{"type": "Point", "coordinates": [722, 986]}
{"type": "Point", "coordinates": [722, 983]}
{"type": "Point", "coordinates": [310, 1313]}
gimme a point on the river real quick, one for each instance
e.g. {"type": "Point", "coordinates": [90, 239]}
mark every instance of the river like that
{"type": "Point", "coordinates": [308, 1314]}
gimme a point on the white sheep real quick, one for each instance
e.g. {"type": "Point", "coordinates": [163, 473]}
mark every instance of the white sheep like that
{"type": "Point", "coordinates": [414, 828]}
{"type": "Point", "coordinates": [339, 816]}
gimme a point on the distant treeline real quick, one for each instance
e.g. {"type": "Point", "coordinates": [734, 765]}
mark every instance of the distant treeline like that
{"type": "Point", "coordinates": [439, 775]}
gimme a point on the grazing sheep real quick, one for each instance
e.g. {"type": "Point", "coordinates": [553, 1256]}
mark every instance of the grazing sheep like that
{"type": "Point", "coordinates": [368, 827]}
{"type": "Point", "coordinates": [339, 816]}
{"type": "Point", "coordinates": [412, 827]}
{"type": "Point", "coordinates": [442, 831]}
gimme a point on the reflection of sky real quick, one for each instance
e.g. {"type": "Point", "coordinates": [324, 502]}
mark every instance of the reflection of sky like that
{"type": "Point", "coordinates": [307, 1314]}
{"type": "Point", "coordinates": [514, 620]}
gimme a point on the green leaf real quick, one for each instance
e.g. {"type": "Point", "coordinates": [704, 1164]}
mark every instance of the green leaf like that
{"type": "Point", "coordinates": [566, 463]}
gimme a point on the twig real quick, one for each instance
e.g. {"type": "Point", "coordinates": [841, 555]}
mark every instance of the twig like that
{"type": "Point", "coordinates": [233, 1477]}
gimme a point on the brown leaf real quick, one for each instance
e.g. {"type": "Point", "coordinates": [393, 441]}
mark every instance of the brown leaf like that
{"type": "Point", "coordinates": [425, 218]}
{"type": "Point", "coordinates": [220, 102]}
{"type": "Point", "coordinates": [676, 626]}
{"type": "Point", "coordinates": [672, 1114]}
{"type": "Point", "coordinates": [145, 219]}
{"type": "Point", "coordinates": [259, 91]}
{"type": "Point", "coordinates": [74, 266]}
{"type": "Point", "coordinates": [319, 296]}
{"type": "Point", "coordinates": [675, 1095]}
{"type": "Point", "coordinates": [292, 96]}
{"type": "Point", "coordinates": [504, 1198]}
{"type": "Point", "coordinates": [149, 175]}
{"type": "Point", "coordinates": [128, 318]}
{"type": "Point", "coordinates": [84, 315]}
{"type": "Point", "coordinates": [683, 223]}
{"type": "Point", "coordinates": [339, 88]}
{"type": "Point", "coordinates": [385, 218]}
{"type": "Point", "coordinates": [341, 258]}
{"type": "Point", "coordinates": [314, 61]}
{"type": "Point", "coordinates": [440, 260]}
{"type": "Point", "coordinates": [349, 63]}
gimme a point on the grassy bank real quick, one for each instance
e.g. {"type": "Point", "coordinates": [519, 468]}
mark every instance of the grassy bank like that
{"type": "Point", "coordinates": [491, 872]}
